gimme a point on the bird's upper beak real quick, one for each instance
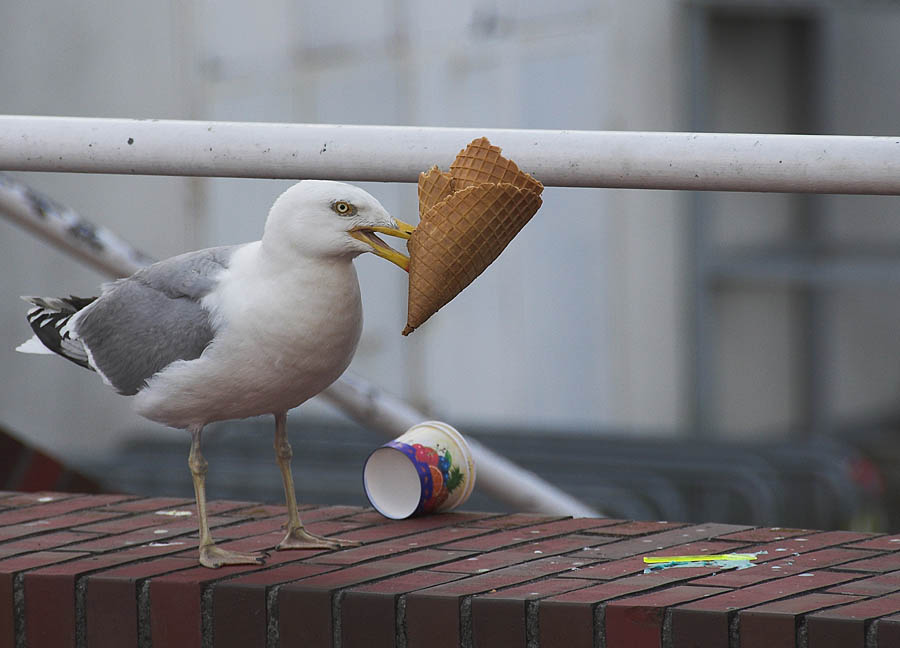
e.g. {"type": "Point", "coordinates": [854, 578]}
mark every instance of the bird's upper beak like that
{"type": "Point", "coordinates": [382, 249]}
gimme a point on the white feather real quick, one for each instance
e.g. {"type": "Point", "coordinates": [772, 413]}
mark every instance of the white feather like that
{"type": "Point", "coordinates": [34, 345]}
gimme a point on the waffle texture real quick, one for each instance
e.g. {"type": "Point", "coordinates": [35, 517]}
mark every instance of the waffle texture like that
{"type": "Point", "coordinates": [434, 186]}
{"type": "Point", "coordinates": [482, 162]}
{"type": "Point", "coordinates": [468, 217]}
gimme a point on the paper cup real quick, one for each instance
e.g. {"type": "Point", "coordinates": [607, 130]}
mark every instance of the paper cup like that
{"type": "Point", "coordinates": [429, 469]}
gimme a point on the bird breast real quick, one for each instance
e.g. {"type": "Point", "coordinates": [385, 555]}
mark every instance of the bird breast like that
{"type": "Point", "coordinates": [282, 336]}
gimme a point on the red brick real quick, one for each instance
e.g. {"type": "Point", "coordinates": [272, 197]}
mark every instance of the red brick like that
{"type": "Point", "coordinates": [111, 601]}
{"type": "Point", "coordinates": [887, 631]}
{"type": "Point", "coordinates": [634, 564]}
{"type": "Point", "coordinates": [64, 521]}
{"type": "Point", "coordinates": [21, 500]}
{"type": "Point", "coordinates": [151, 519]}
{"type": "Point", "coordinates": [567, 620]}
{"type": "Point", "coordinates": [782, 568]}
{"type": "Point", "coordinates": [239, 609]}
{"type": "Point", "coordinates": [652, 544]}
{"type": "Point", "coordinates": [500, 618]}
{"type": "Point", "coordinates": [637, 621]}
{"type": "Point", "coordinates": [57, 507]}
{"type": "Point", "coordinates": [520, 554]}
{"type": "Point", "coordinates": [50, 594]}
{"type": "Point", "coordinates": [874, 586]}
{"type": "Point", "coordinates": [803, 544]}
{"type": "Point", "coordinates": [145, 504]}
{"type": "Point", "coordinates": [325, 513]}
{"type": "Point", "coordinates": [305, 612]}
{"type": "Point", "coordinates": [228, 507]}
{"type": "Point", "coordinates": [882, 542]}
{"type": "Point", "coordinates": [706, 622]}
{"type": "Point", "coordinates": [640, 527]}
{"type": "Point", "coordinates": [307, 514]}
{"type": "Point", "coordinates": [368, 612]}
{"type": "Point", "coordinates": [883, 563]}
{"type": "Point", "coordinates": [268, 541]}
{"type": "Point", "coordinates": [17, 564]}
{"type": "Point", "coordinates": [176, 603]}
{"type": "Point", "coordinates": [169, 534]}
{"type": "Point", "coordinates": [253, 510]}
{"type": "Point", "coordinates": [705, 531]}
{"type": "Point", "coordinates": [441, 603]}
{"type": "Point", "coordinates": [566, 624]}
{"type": "Point", "coordinates": [606, 591]}
{"type": "Point", "coordinates": [249, 528]}
{"type": "Point", "coordinates": [398, 545]}
{"type": "Point", "coordinates": [766, 534]}
{"type": "Point", "coordinates": [845, 626]}
{"type": "Point", "coordinates": [42, 542]}
{"type": "Point", "coordinates": [505, 577]}
{"type": "Point", "coordinates": [397, 528]}
{"type": "Point", "coordinates": [369, 517]}
{"type": "Point", "coordinates": [8, 570]}
{"type": "Point", "coordinates": [503, 539]}
{"type": "Point", "coordinates": [163, 505]}
{"type": "Point", "coordinates": [514, 520]}
{"type": "Point", "coordinates": [774, 625]}
{"type": "Point", "coordinates": [372, 517]}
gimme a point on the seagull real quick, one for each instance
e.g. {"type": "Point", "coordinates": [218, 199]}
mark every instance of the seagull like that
{"type": "Point", "coordinates": [235, 331]}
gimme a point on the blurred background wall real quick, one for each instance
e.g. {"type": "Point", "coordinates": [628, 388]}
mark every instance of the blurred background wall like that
{"type": "Point", "coordinates": [615, 311]}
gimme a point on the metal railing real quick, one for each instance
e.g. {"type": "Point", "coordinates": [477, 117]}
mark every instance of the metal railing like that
{"type": "Point", "coordinates": [611, 159]}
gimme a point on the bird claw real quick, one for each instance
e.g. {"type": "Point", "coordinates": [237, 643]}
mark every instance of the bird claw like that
{"type": "Point", "coordinates": [300, 538]}
{"type": "Point", "coordinates": [214, 557]}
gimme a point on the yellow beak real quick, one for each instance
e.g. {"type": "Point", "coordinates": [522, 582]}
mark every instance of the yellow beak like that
{"type": "Point", "coordinates": [382, 249]}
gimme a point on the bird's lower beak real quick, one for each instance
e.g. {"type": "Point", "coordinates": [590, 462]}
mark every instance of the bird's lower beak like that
{"type": "Point", "coordinates": [382, 249]}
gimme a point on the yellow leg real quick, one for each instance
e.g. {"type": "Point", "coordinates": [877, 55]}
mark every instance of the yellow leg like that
{"type": "Point", "coordinates": [210, 554]}
{"type": "Point", "coordinates": [297, 536]}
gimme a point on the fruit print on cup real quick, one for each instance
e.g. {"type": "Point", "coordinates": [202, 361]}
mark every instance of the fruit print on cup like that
{"type": "Point", "coordinates": [426, 470]}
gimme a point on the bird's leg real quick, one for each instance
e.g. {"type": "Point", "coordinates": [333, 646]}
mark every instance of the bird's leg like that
{"type": "Point", "coordinates": [210, 554]}
{"type": "Point", "coordinates": [297, 536]}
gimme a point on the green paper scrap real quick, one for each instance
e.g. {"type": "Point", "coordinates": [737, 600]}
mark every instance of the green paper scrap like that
{"type": "Point", "coordinates": [653, 560]}
{"type": "Point", "coordinates": [725, 561]}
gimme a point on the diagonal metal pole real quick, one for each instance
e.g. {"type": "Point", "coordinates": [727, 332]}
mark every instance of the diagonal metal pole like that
{"type": "Point", "coordinates": [364, 402]}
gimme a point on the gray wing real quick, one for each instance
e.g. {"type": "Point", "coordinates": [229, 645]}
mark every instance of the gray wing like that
{"type": "Point", "coordinates": [141, 324]}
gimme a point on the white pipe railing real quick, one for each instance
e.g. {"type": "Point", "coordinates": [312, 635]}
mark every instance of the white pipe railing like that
{"type": "Point", "coordinates": [635, 160]}
{"type": "Point", "coordinates": [375, 409]}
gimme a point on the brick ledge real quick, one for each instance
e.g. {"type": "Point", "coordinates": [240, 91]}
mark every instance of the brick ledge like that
{"type": "Point", "coordinates": [119, 570]}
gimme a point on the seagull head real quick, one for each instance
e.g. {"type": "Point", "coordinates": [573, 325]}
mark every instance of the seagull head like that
{"type": "Point", "coordinates": [324, 218]}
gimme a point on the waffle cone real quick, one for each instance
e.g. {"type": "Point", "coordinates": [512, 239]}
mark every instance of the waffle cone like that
{"type": "Point", "coordinates": [434, 186]}
{"type": "Point", "coordinates": [482, 162]}
{"type": "Point", "coordinates": [458, 238]}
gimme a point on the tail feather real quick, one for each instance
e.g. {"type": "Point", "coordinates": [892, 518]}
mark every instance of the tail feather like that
{"type": "Point", "coordinates": [50, 319]}
{"type": "Point", "coordinates": [34, 345]}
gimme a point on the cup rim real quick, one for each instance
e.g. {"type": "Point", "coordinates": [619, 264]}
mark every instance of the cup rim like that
{"type": "Point", "coordinates": [373, 501]}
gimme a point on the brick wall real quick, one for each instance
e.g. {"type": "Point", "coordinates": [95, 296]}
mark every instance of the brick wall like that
{"type": "Point", "coordinates": [116, 570]}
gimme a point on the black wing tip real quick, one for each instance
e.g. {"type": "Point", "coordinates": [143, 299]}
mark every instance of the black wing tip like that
{"type": "Point", "coordinates": [48, 318]}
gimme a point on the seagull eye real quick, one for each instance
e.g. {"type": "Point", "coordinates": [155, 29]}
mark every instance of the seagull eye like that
{"type": "Point", "coordinates": [343, 208]}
